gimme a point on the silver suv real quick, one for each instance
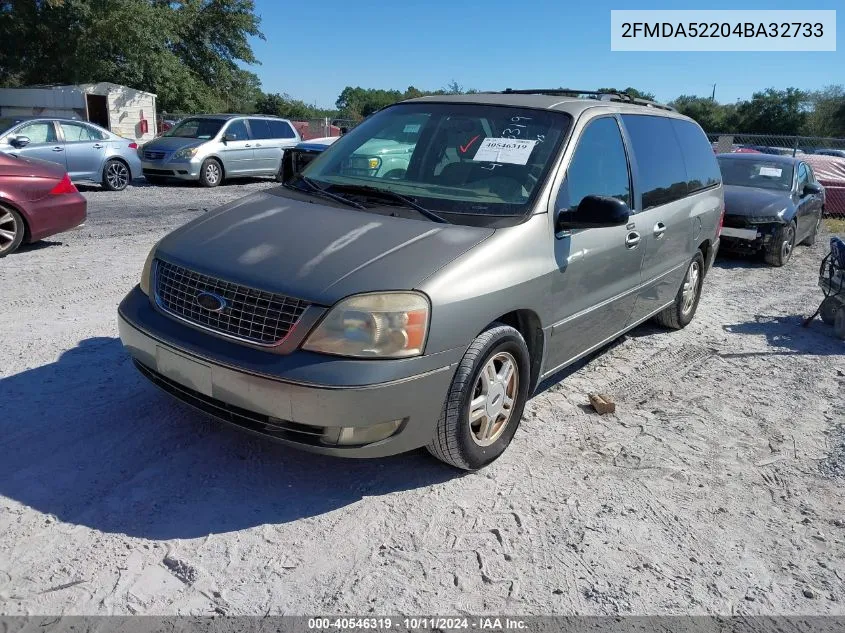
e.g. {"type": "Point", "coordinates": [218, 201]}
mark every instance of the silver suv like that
{"type": "Point", "coordinates": [211, 147]}
{"type": "Point", "coordinates": [363, 313]}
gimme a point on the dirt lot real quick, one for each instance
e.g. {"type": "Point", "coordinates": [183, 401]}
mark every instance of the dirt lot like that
{"type": "Point", "coordinates": [715, 488]}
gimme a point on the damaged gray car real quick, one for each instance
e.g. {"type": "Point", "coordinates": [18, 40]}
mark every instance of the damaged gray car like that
{"type": "Point", "coordinates": [772, 203]}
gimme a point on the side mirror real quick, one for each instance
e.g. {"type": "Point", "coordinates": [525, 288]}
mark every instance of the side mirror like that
{"type": "Point", "coordinates": [229, 137]}
{"type": "Point", "coordinates": [19, 141]}
{"type": "Point", "coordinates": [593, 212]}
{"type": "Point", "coordinates": [343, 130]}
{"type": "Point", "coordinates": [811, 189]}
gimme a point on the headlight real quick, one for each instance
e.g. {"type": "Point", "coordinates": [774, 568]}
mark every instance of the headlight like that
{"type": "Point", "coordinates": [384, 325]}
{"type": "Point", "coordinates": [764, 219]}
{"type": "Point", "coordinates": [188, 152]}
{"type": "Point", "coordinates": [147, 271]}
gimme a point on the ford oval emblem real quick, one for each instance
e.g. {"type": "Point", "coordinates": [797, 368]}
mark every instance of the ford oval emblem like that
{"type": "Point", "coordinates": [211, 302]}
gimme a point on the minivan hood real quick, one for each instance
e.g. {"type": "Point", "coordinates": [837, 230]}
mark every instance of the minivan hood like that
{"type": "Point", "coordinates": [173, 143]}
{"type": "Point", "coordinates": [755, 201]}
{"type": "Point", "coordinates": [315, 252]}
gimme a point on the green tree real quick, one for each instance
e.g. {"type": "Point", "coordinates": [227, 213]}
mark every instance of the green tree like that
{"type": "Point", "coordinates": [773, 111]}
{"type": "Point", "coordinates": [710, 115]}
{"type": "Point", "coordinates": [284, 105]}
{"type": "Point", "coordinates": [357, 102]}
{"type": "Point", "coordinates": [637, 94]}
{"type": "Point", "coordinates": [827, 114]}
{"type": "Point", "coordinates": [185, 51]}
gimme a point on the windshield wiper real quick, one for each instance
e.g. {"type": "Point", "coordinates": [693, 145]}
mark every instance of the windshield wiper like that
{"type": "Point", "coordinates": [392, 195]}
{"type": "Point", "coordinates": [314, 188]}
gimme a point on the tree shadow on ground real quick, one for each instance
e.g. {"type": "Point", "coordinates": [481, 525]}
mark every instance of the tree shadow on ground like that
{"type": "Point", "coordinates": [87, 439]}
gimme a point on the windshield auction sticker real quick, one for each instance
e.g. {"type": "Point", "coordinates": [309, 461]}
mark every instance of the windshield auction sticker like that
{"type": "Point", "coordinates": [647, 30]}
{"type": "Point", "coordinates": [504, 150]}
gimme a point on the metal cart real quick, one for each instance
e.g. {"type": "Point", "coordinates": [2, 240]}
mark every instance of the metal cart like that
{"type": "Point", "coordinates": [832, 283]}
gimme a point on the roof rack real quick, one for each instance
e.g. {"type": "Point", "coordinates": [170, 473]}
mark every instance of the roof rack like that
{"type": "Point", "coordinates": [604, 95]}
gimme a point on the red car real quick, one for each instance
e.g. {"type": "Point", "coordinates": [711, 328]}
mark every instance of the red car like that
{"type": "Point", "coordinates": [37, 200]}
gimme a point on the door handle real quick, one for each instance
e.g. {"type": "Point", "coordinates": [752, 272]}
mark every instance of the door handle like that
{"type": "Point", "coordinates": [247, 145]}
{"type": "Point", "coordinates": [632, 240]}
{"type": "Point", "coordinates": [659, 230]}
{"type": "Point", "coordinates": [58, 149]}
{"type": "Point", "coordinates": [98, 146]}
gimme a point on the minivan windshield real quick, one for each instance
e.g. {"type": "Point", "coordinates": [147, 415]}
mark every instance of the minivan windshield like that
{"type": "Point", "coordinates": [454, 159]}
{"type": "Point", "coordinates": [756, 173]}
{"type": "Point", "coordinates": [196, 128]}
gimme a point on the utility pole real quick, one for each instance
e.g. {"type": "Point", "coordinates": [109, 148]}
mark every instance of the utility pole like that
{"type": "Point", "coordinates": [713, 95]}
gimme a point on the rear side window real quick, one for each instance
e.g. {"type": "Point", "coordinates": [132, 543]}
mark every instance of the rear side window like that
{"type": "Point", "coordinates": [280, 129]}
{"type": "Point", "coordinates": [598, 167]}
{"type": "Point", "coordinates": [75, 132]}
{"type": "Point", "coordinates": [660, 161]}
{"type": "Point", "coordinates": [260, 128]}
{"type": "Point", "coordinates": [699, 159]}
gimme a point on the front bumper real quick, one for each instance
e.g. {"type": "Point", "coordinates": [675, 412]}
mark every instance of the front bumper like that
{"type": "Point", "coordinates": [749, 238]}
{"type": "Point", "coordinates": [268, 395]}
{"type": "Point", "coordinates": [188, 170]}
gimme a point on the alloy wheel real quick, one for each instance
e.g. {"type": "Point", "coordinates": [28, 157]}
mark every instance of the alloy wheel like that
{"type": "Point", "coordinates": [8, 230]}
{"type": "Point", "coordinates": [691, 284]}
{"type": "Point", "coordinates": [212, 173]}
{"type": "Point", "coordinates": [117, 175]}
{"type": "Point", "coordinates": [493, 398]}
{"type": "Point", "coordinates": [788, 243]}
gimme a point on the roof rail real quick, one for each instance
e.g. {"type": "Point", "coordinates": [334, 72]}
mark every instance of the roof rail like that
{"type": "Point", "coordinates": [604, 95]}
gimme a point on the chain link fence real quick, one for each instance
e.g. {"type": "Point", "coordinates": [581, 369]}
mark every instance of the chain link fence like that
{"type": "Point", "coordinates": [724, 143]}
{"type": "Point", "coordinates": [826, 156]}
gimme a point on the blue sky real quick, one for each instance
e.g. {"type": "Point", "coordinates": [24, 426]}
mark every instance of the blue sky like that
{"type": "Point", "coordinates": [313, 50]}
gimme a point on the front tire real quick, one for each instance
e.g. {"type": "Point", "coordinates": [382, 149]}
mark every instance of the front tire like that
{"type": "Point", "coordinates": [681, 312]}
{"type": "Point", "coordinates": [12, 230]}
{"type": "Point", "coordinates": [116, 175]}
{"type": "Point", "coordinates": [779, 252]}
{"type": "Point", "coordinates": [485, 401]}
{"type": "Point", "coordinates": [211, 173]}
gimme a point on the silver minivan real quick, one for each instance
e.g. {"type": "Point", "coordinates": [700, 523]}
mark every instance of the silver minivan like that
{"type": "Point", "coordinates": [211, 147]}
{"type": "Point", "coordinates": [363, 313]}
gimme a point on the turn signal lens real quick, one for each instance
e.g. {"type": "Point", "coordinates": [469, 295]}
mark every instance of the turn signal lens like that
{"type": "Point", "coordinates": [64, 186]}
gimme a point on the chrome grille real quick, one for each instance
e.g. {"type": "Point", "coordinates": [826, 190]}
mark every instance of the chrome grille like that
{"type": "Point", "coordinates": [250, 315]}
{"type": "Point", "coordinates": [150, 155]}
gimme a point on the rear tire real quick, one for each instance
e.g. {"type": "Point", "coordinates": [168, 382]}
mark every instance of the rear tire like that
{"type": "Point", "coordinates": [681, 312]}
{"type": "Point", "coordinates": [116, 175]}
{"type": "Point", "coordinates": [211, 173]}
{"type": "Point", "coordinates": [494, 370]}
{"type": "Point", "coordinates": [12, 230]}
{"type": "Point", "coordinates": [779, 252]}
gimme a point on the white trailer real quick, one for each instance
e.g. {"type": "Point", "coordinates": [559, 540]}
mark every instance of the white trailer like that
{"type": "Point", "coordinates": [125, 111]}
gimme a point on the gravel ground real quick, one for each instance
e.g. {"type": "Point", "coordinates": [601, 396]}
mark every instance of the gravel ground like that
{"type": "Point", "coordinates": [715, 488]}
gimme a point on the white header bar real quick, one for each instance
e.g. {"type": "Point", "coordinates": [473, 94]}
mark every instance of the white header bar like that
{"type": "Point", "coordinates": [672, 30]}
